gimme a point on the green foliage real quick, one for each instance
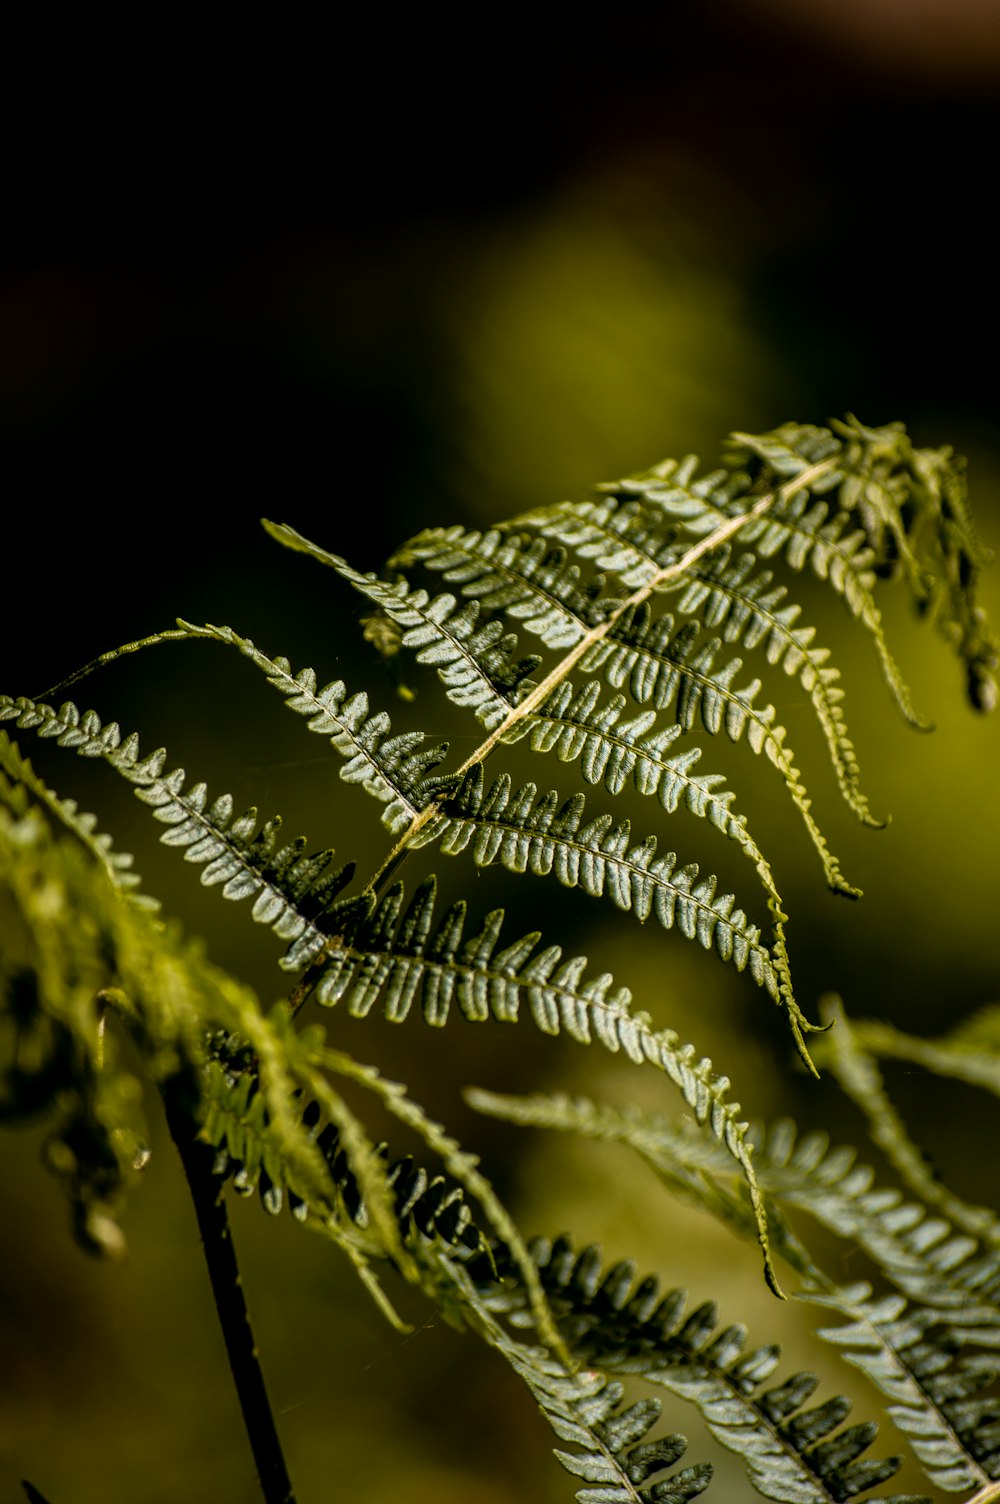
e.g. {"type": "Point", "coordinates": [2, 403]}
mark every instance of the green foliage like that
{"type": "Point", "coordinates": [645, 603]}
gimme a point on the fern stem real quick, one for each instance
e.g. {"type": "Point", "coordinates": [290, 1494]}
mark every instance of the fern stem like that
{"type": "Point", "coordinates": [227, 1290]}
{"type": "Point", "coordinates": [171, 635]}
{"type": "Point", "coordinates": [556, 676]}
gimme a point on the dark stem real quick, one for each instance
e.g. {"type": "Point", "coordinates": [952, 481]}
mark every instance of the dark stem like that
{"type": "Point", "coordinates": [234, 1317]}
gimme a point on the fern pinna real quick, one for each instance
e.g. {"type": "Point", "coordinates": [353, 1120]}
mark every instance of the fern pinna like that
{"type": "Point", "coordinates": [650, 609]}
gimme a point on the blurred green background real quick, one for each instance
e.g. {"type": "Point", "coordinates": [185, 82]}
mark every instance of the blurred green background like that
{"type": "Point", "coordinates": [404, 276]}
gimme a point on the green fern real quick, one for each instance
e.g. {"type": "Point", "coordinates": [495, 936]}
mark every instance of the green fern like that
{"type": "Point", "coordinates": [621, 1326]}
{"type": "Point", "coordinates": [296, 897]}
{"type": "Point", "coordinates": [647, 605]}
{"type": "Point", "coordinates": [923, 1349]}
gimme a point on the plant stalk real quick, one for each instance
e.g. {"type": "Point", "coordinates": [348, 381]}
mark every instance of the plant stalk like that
{"type": "Point", "coordinates": [227, 1290]}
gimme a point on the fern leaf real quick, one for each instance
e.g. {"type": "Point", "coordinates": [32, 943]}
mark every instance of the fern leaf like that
{"type": "Point", "coordinates": [458, 1163]}
{"type": "Point", "coordinates": [910, 1351]}
{"type": "Point", "coordinates": [811, 537]}
{"type": "Point", "coordinates": [970, 1052]}
{"type": "Point", "coordinates": [616, 538]}
{"type": "Point", "coordinates": [722, 594]}
{"type": "Point", "coordinates": [748, 609]}
{"type": "Point", "coordinates": [620, 1326]}
{"type": "Point", "coordinates": [894, 1346]}
{"type": "Point", "coordinates": [235, 1123]}
{"type": "Point", "coordinates": [474, 663]}
{"type": "Point", "coordinates": [57, 972]}
{"type": "Point", "coordinates": [404, 960]}
{"type": "Point", "coordinates": [512, 573]}
{"type": "Point", "coordinates": [92, 954]}
{"type": "Point", "coordinates": [586, 1411]}
{"type": "Point", "coordinates": [800, 528]}
{"type": "Point", "coordinates": [292, 892]}
{"type": "Point", "coordinates": [861, 1079]}
{"type": "Point", "coordinates": [524, 832]}
{"type": "Point", "coordinates": [818, 539]}
{"type": "Point", "coordinates": [660, 666]}
{"type": "Point", "coordinates": [241, 1126]}
{"type": "Point", "coordinates": [940, 492]}
{"type": "Point", "coordinates": [912, 505]}
{"type": "Point", "coordinates": [117, 865]}
{"type": "Point", "coordinates": [395, 770]}
{"type": "Point", "coordinates": [951, 1274]}
{"type": "Point", "coordinates": [663, 667]}
{"type": "Point", "coordinates": [285, 1065]}
{"type": "Point", "coordinates": [577, 726]}
{"type": "Point", "coordinates": [918, 1252]}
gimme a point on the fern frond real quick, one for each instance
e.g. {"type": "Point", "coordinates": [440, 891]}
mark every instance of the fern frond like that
{"type": "Point", "coordinates": [462, 1166]}
{"type": "Point", "coordinates": [940, 492]}
{"type": "Point", "coordinates": [623, 537]}
{"type": "Point", "coordinates": [952, 1283]}
{"type": "Point", "coordinates": [243, 1127]}
{"type": "Point", "coordinates": [895, 1345]}
{"type": "Point", "coordinates": [117, 865]}
{"type": "Point", "coordinates": [859, 1076]}
{"type": "Point", "coordinates": [949, 1273]}
{"type": "Point", "coordinates": [252, 1112]}
{"type": "Point", "coordinates": [874, 481]}
{"type": "Point", "coordinates": [624, 1327]}
{"type": "Point", "coordinates": [665, 664]}
{"type": "Point", "coordinates": [899, 1347]}
{"type": "Point", "coordinates": [809, 537]}
{"type": "Point", "coordinates": [502, 572]}
{"type": "Point", "coordinates": [513, 573]}
{"type": "Point", "coordinates": [90, 956]}
{"type": "Point", "coordinates": [611, 1456]}
{"type": "Point", "coordinates": [660, 667]}
{"type": "Point", "coordinates": [618, 538]}
{"type": "Point", "coordinates": [237, 1124]}
{"type": "Point", "coordinates": [912, 505]}
{"type": "Point", "coordinates": [516, 575]}
{"type": "Point", "coordinates": [474, 663]}
{"type": "Point", "coordinates": [396, 770]}
{"type": "Point", "coordinates": [292, 892]}
{"type": "Point", "coordinates": [55, 970]}
{"type": "Point", "coordinates": [576, 726]}
{"type": "Point", "coordinates": [525, 832]}
{"type": "Point", "coordinates": [970, 1052]}
{"type": "Point", "coordinates": [402, 959]}
{"type": "Point", "coordinates": [586, 1411]}
{"type": "Point", "coordinates": [725, 594]}
{"type": "Point", "coordinates": [804, 531]}
{"type": "Point", "coordinates": [683, 1175]}
{"type": "Point", "coordinates": [933, 1398]}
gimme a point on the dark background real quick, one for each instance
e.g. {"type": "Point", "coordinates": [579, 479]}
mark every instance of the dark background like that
{"type": "Point", "coordinates": [407, 274]}
{"type": "Point", "coordinates": [256, 272]}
